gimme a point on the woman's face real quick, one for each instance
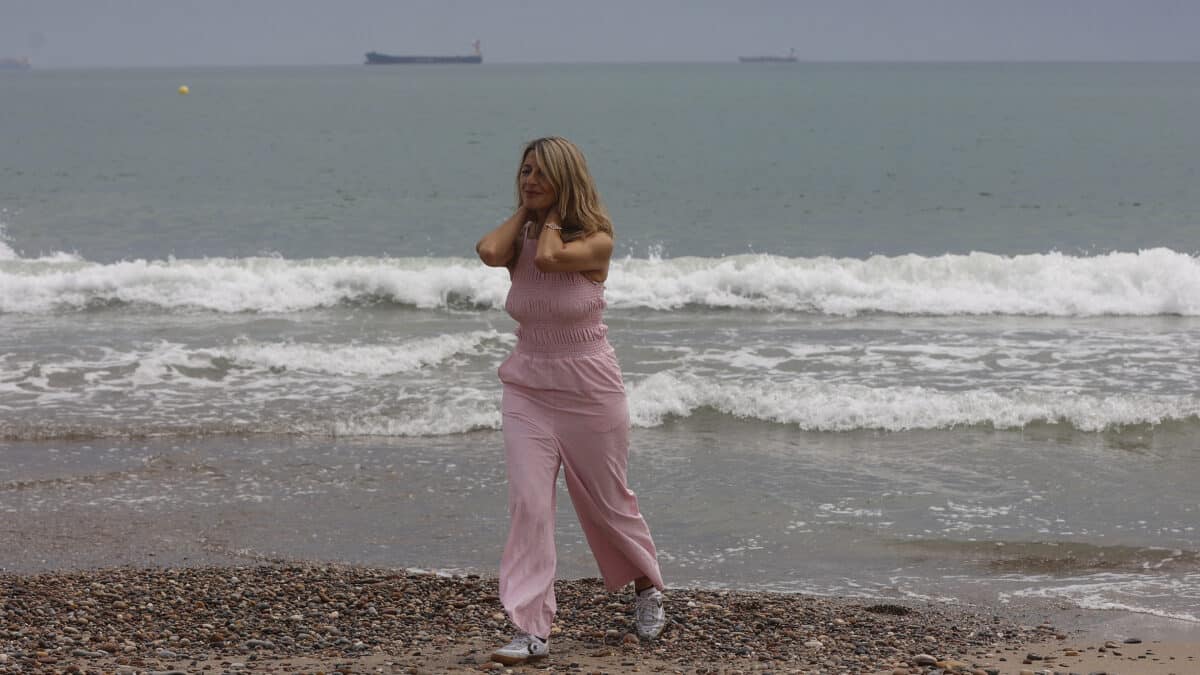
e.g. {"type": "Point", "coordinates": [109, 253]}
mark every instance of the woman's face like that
{"type": "Point", "coordinates": [536, 191]}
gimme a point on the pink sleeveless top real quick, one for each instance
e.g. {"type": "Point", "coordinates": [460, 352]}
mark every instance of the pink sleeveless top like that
{"type": "Point", "coordinates": [562, 343]}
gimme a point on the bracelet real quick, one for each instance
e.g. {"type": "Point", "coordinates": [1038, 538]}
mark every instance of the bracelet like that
{"type": "Point", "coordinates": [552, 226]}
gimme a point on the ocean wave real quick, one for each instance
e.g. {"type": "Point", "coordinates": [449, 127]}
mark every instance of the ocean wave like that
{"type": "Point", "coordinates": [816, 406]}
{"type": "Point", "coordinates": [244, 364]}
{"type": "Point", "coordinates": [434, 420]}
{"type": "Point", "coordinates": [370, 360]}
{"type": "Point", "coordinates": [8, 253]}
{"type": "Point", "coordinates": [1138, 593]}
{"type": "Point", "coordinates": [1155, 281]}
{"type": "Point", "coordinates": [805, 405]}
{"type": "Point", "coordinates": [1148, 282]}
{"type": "Point", "coordinates": [247, 284]}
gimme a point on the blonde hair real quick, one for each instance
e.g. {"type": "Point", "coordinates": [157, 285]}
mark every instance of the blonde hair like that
{"type": "Point", "coordinates": [578, 201]}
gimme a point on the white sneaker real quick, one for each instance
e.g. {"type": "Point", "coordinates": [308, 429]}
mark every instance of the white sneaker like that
{"type": "Point", "coordinates": [524, 647]}
{"type": "Point", "coordinates": [649, 615]}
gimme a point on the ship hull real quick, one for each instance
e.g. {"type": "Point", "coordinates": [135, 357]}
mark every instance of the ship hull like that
{"type": "Point", "coordinates": [377, 59]}
{"type": "Point", "coordinates": [767, 59]}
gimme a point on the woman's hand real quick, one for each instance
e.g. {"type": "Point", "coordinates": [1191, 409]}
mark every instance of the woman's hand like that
{"type": "Point", "coordinates": [589, 255]}
{"type": "Point", "coordinates": [497, 247]}
{"type": "Point", "coordinates": [540, 216]}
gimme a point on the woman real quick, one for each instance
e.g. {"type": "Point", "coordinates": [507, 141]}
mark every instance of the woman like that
{"type": "Point", "coordinates": [564, 399]}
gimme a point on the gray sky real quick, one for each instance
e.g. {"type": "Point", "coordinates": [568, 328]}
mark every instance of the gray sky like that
{"type": "Point", "coordinates": [74, 33]}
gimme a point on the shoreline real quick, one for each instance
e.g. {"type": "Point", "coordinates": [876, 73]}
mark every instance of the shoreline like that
{"type": "Point", "coordinates": [308, 617]}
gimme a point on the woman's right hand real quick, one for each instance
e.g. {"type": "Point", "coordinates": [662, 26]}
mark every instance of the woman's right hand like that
{"type": "Point", "coordinates": [497, 247]}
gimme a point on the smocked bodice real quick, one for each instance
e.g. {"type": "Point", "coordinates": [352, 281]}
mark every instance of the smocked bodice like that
{"type": "Point", "coordinates": [557, 312]}
{"type": "Point", "coordinates": [561, 339]}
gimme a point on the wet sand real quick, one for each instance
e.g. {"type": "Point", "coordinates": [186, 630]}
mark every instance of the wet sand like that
{"type": "Point", "coordinates": [1095, 655]}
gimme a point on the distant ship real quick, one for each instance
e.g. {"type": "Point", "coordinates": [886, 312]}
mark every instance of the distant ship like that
{"type": "Point", "coordinates": [377, 59]}
{"type": "Point", "coordinates": [790, 58]}
{"type": "Point", "coordinates": [15, 64]}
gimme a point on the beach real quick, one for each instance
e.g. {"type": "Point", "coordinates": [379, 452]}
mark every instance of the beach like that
{"type": "Point", "coordinates": [908, 335]}
{"type": "Point", "coordinates": [104, 571]}
{"type": "Point", "coordinates": [307, 618]}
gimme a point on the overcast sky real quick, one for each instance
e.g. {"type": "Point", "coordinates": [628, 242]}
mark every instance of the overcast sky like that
{"type": "Point", "coordinates": [73, 33]}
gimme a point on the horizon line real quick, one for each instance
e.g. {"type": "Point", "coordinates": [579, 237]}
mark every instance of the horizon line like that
{"type": "Point", "coordinates": [732, 60]}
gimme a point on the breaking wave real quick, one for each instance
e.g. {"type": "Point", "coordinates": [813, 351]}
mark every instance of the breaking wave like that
{"type": "Point", "coordinates": [1148, 282]}
{"type": "Point", "coordinates": [816, 406]}
{"type": "Point", "coordinates": [443, 410]}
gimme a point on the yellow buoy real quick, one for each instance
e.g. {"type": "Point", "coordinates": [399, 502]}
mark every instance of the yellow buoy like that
{"type": "Point", "coordinates": [184, 89]}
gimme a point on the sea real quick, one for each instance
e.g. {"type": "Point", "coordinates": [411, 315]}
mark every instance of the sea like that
{"type": "Point", "coordinates": [925, 332]}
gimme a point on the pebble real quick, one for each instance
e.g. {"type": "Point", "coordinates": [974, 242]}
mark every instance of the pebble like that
{"type": "Point", "coordinates": [270, 606]}
{"type": "Point", "coordinates": [924, 660]}
{"type": "Point", "coordinates": [260, 644]}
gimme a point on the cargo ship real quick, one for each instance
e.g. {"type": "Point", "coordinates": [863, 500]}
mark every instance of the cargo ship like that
{"type": "Point", "coordinates": [790, 58]}
{"type": "Point", "coordinates": [378, 59]}
{"type": "Point", "coordinates": [15, 64]}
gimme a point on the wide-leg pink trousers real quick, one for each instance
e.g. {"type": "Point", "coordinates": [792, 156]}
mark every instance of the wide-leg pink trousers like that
{"type": "Point", "coordinates": [588, 435]}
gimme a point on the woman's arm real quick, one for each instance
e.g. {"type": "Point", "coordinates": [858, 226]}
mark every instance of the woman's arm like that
{"type": "Point", "coordinates": [496, 247]}
{"type": "Point", "coordinates": [590, 254]}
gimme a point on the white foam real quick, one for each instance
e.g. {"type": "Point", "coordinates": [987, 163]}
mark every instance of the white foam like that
{"type": "Point", "coordinates": [305, 389]}
{"type": "Point", "coordinates": [1148, 282]}
{"type": "Point", "coordinates": [844, 509]}
{"type": "Point", "coordinates": [249, 284]}
{"type": "Point", "coordinates": [163, 361]}
{"type": "Point", "coordinates": [445, 384]}
{"type": "Point", "coordinates": [439, 418]}
{"type": "Point", "coordinates": [8, 253]}
{"type": "Point", "coordinates": [161, 364]}
{"type": "Point", "coordinates": [1154, 281]}
{"type": "Point", "coordinates": [1168, 596]}
{"type": "Point", "coordinates": [372, 360]}
{"type": "Point", "coordinates": [820, 406]}
{"type": "Point", "coordinates": [976, 510]}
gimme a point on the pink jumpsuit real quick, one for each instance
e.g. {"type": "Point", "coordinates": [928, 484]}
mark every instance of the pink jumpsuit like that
{"type": "Point", "coordinates": [564, 404]}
